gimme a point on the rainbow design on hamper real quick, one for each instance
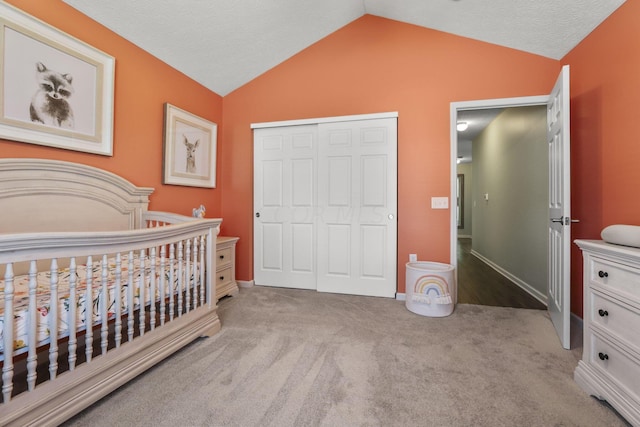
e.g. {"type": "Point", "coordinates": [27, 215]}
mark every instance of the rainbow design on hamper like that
{"type": "Point", "coordinates": [431, 289]}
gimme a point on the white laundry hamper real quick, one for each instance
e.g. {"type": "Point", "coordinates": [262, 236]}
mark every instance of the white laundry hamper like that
{"type": "Point", "coordinates": [430, 288]}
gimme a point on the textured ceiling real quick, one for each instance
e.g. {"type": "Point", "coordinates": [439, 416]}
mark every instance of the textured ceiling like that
{"type": "Point", "coordinates": [224, 44]}
{"type": "Point", "coordinates": [477, 121]}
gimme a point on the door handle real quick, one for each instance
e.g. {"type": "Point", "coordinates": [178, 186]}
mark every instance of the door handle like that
{"type": "Point", "coordinates": [564, 220]}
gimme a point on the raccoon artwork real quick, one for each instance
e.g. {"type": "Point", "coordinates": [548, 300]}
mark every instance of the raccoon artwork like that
{"type": "Point", "coordinates": [50, 105]}
{"type": "Point", "coordinates": [191, 154]}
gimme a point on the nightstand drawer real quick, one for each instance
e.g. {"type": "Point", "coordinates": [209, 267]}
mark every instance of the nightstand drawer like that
{"type": "Point", "coordinates": [224, 255]}
{"type": "Point", "coordinates": [617, 277]}
{"type": "Point", "coordinates": [224, 276]}
{"type": "Point", "coordinates": [615, 364]}
{"type": "Point", "coordinates": [615, 318]}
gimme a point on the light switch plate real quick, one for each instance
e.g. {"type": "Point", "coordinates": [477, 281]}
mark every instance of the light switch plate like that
{"type": "Point", "coordinates": [439, 203]}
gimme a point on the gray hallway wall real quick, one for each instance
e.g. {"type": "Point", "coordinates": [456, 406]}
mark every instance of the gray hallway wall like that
{"type": "Point", "coordinates": [510, 165]}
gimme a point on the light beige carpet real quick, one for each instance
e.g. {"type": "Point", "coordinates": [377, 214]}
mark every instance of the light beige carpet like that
{"type": "Point", "coordinates": [302, 358]}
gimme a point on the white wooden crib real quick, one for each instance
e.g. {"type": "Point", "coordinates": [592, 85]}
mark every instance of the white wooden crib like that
{"type": "Point", "coordinates": [132, 286]}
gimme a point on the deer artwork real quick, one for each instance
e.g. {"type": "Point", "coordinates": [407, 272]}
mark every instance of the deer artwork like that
{"type": "Point", "coordinates": [191, 158]}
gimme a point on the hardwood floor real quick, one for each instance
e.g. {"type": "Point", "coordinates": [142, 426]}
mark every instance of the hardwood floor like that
{"type": "Point", "coordinates": [480, 284]}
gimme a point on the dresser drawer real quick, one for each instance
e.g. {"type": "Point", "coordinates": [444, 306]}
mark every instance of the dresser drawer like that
{"type": "Point", "coordinates": [225, 256]}
{"type": "Point", "coordinates": [615, 364]}
{"type": "Point", "coordinates": [224, 276]}
{"type": "Point", "coordinates": [616, 318]}
{"type": "Point", "coordinates": [617, 277]}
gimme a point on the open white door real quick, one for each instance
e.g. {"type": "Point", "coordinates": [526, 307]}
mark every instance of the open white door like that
{"type": "Point", "coordinates": [558, 125]}
{"type": "Point", "coordinates": [559, 291]}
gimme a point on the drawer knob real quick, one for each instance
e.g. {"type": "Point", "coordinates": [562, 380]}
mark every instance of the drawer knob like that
{"type": "Point", "coordinates": [221, 277]}
{"type": "Point", "coordinates": [603, 313]}
{"type": "Point", "coordinates": [603, 356]}
{"type": "Point", "coordinates": [603, 274]}
{"type": "Point", "coordinates": [221, 256]}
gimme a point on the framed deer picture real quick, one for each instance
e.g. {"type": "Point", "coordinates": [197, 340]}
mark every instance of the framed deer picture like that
{"type": "Point", "coordinates": [189, 149]}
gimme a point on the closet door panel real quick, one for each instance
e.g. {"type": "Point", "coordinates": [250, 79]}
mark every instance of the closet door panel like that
{"type": "Point", "coordinates": [271, 259]}
{"type": "Point", "coordinates": [337, 253]}
{"type": "Point", "coordinates": [373, 245]}
{"type": "Point", "coordinates": [284, 202]}
{"type": "Point", "coordinates": [357, 187]}
{"type": "Point", "coordinates": [303, 257]}
{"type": "Point", "coordinates": [339, 176]}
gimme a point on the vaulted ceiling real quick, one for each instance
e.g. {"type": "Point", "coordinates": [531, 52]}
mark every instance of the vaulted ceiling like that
{"type": "Point", "coordinates": [224, 44]}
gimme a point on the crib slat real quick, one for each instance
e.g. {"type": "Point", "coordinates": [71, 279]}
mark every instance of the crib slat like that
{"type": "Point", "coordinates": [180, 278]}
{"type": "Point", "coordinates": [196, 273]}
{"type": "Point", "coordinates": [202, 268]}
{"type": "Point", "coordinates": [195, 270]}
{"type": "Point", "coordinates": [7, 367]}
{"type": "Point", "coordinates": [53, 320]}
{"type": "Point", "coordinates": [73, 312]}
{"type": "Point", "coordinates": [118, 300]}
{"type": "Point", "coordinates": [141, 284]}
{"type": "Point", "coordinates": [163, 283]}
{"type": "Point", "coordinates": [130, 302]}
{"type": "Point", "coordinates": [187, 277]}
{"type": "Point", "coordinates": [32, 358]}
{"type": "Point", "coordinates": [152, 290]}
{"type": "Point", "coordinates": [104, 305]}
{"type": "Point", "coordinates": [172, 278]}
{"type": "Point", "coordinates": [88, 310]}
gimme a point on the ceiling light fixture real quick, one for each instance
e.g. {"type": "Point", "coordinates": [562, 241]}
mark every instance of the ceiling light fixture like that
{"type": "Point", "coordinates": [462, 126]}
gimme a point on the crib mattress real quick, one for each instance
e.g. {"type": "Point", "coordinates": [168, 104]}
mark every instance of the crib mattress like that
{"type": "Point", "coordinates": [65, 305]}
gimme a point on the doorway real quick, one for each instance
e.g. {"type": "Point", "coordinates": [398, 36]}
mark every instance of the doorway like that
{"type": "Point", "coordinates": [558, 135]}
{"type": "Point", "coordinates": [500, 246]}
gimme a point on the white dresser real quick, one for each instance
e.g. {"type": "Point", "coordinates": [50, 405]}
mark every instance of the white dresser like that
{"type": "Point", "coordinates": [610, 365]}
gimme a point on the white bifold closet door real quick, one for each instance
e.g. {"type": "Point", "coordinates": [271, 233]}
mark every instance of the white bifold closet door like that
{"type": "Point", "coordinates": [325, 199]}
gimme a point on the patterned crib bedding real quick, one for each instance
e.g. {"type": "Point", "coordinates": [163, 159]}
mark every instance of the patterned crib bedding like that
{"type": "Point", "coordinates": [65, 305]}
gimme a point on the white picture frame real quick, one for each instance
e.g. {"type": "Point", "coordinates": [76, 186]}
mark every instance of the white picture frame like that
{"type": "Point", "coordinates": [68, 100]}
{"type": "Point", "coordinates": [190, 144]}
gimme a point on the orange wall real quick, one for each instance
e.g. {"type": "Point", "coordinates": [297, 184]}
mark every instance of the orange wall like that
{"type": "Point", "coordinates": [605, 75]}
{"type": "Point", "coordinates": [375, 65]}
{"type": "Point", "coordinates": [378, 65]}
{"type": "Point", "coordinates": [142, 85]}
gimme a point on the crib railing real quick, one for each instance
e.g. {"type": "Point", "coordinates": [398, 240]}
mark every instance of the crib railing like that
{"type": "Point", "coordinates": [108, 290]}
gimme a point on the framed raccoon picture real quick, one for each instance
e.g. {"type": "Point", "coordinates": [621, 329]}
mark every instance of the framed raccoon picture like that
{"type": "Point", "coordinates": [55, 90]}
{"type": "Point", "coordinates": [189, 149]}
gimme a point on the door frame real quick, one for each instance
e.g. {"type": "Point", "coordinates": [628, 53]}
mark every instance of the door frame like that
{"type": "Point", "coordinates": [482, 104]}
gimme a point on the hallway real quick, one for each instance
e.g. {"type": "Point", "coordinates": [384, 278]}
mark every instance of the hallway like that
{"type": "Point", "coordinates": [480, 284]}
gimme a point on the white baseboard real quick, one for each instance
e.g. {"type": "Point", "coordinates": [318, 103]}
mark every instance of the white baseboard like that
{"type": "Point", "coordinates": [245, 283]}
{"type": "Point", "coordinates": [400, 296]}
{"type": "Point", "coordinates": [521, 283]}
